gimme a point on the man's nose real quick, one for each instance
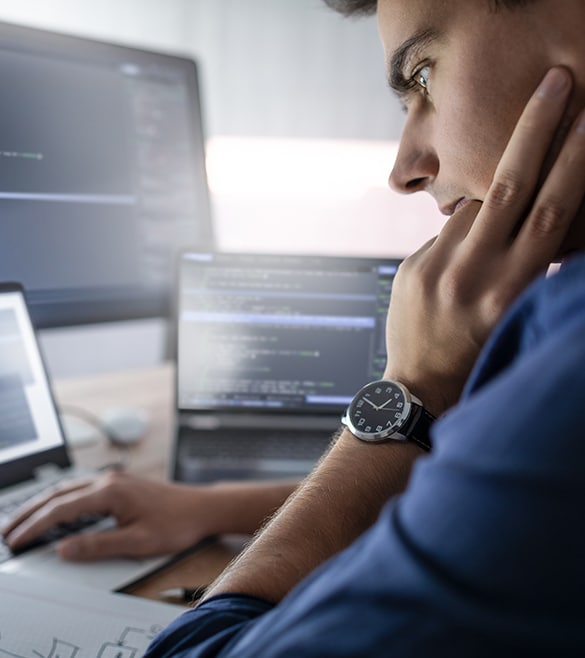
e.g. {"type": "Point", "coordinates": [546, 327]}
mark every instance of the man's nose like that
{"type": "Point", "coordinates": [416, 164]}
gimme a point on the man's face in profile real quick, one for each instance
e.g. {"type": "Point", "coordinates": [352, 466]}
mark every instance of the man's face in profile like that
{"type": "Point", "coordinates": [464, 73]}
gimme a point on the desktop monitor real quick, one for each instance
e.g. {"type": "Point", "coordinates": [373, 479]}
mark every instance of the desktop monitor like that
{"type": "Point", "coordinates": [102, 175]}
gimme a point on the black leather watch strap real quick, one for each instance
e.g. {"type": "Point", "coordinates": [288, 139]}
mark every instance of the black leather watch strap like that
{"type": "Point", "coordinates": [419, 430]}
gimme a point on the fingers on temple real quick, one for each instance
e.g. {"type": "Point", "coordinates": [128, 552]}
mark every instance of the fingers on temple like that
{"type": "Point", "coordinates": [520, 168]}
{"type": "Point", "coordinates": [557, 202]}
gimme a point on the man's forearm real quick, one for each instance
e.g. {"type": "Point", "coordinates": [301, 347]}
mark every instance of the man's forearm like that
{"type": "Point", "coordinates": [241, 507]}
{"type": "Point", "coordinates": [332, 507]}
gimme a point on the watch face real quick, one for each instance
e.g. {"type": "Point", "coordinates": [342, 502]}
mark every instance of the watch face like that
{"type": "Point", "coordinates": [380, 409]}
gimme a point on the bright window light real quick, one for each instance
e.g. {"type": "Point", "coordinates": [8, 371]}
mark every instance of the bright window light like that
{"type": "Point", "coordinates": [293, 195]}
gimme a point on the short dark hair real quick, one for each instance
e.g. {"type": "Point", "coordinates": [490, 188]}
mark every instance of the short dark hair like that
{"type": "Point", "coordinates": [368, 7]}
{"type": "Point", "coordinates": [353, 7]}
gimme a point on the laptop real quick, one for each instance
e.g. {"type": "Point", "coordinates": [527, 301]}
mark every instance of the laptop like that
{"type": "Point", "coordinates": [270, 351]}
{"type": "Point", "coordinates": [34, 454]}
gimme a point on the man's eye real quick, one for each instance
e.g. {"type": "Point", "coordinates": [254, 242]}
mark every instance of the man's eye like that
{"type": "Point", "coordinates": [421, 77]}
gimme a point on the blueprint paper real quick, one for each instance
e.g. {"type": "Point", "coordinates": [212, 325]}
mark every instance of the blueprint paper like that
{"type": "Point", "coordinates": [42, 619]}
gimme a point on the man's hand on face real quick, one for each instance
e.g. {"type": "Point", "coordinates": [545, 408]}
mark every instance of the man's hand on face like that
{"type": "Point", "coordinates": [449, 295]}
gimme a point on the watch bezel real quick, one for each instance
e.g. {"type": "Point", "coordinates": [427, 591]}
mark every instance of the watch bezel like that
{"type": "Point", "coordinates": [393, 432]}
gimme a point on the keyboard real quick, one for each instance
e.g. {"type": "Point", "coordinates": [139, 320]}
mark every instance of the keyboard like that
{"type": "Point", "coordinates": [19, 498]}
{"type": "Point", "coordinates": [53, 534]}
{"type": "Point", "coordinates": [10, 503]}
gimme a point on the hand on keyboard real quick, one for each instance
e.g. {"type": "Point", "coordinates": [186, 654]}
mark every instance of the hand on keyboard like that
{"type": "Point", "coordinates": [55, 533]}
{"type": "Point", "coordinates": [145, 518]}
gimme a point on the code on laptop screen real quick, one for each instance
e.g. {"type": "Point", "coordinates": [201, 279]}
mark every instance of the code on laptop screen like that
{"type": "Point", "coordinates": [280, 332]}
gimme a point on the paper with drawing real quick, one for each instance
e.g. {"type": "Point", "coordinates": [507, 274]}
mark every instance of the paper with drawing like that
{"type": "Point", "coordinates": [39, 619]}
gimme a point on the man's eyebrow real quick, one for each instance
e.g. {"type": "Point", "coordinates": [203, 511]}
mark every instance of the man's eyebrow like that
{"type": "Point", "coordinates": [396, 78]}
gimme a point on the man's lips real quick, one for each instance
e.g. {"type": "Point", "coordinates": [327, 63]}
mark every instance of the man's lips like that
{"type": "Point", "coordinates": [452, 208]}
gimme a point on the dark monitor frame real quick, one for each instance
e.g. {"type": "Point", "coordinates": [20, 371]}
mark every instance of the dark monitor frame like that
{"type": "Point", "coordinates": [47, 308]}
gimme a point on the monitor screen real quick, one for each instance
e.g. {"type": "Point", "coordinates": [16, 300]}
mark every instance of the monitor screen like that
{"type": "Point", "coordinates": [102, 175]}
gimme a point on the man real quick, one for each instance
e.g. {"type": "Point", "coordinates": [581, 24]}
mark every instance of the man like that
{"type": "Point", "coordinates": [481, 553]}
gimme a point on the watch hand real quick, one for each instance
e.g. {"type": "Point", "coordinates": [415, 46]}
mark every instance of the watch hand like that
{"type": "Point", "coordinates": [371, 403]}
{"type": "Point", "coordinates": [385, 403]}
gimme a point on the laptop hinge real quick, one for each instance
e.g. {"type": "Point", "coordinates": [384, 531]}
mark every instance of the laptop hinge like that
{"type": "Point", "coordinates": [217, 421]}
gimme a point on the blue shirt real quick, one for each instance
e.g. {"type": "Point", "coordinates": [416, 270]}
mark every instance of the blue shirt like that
{"type": "Point", "coordinates": [484, 554]}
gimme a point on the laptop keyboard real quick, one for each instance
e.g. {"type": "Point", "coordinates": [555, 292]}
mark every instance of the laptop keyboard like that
{"type": "Point", "coordinates": [19, 498]}
{"type": "Point", "coordinates": [11, 505]}
{"type": "Point", "coordinates": [54, 534]}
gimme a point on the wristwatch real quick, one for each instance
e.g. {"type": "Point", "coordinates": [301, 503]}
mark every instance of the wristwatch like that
{"type": "Point", "coordinates": [386, 410]}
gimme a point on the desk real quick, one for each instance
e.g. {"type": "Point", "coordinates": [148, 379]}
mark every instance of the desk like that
{"type": "Point", "coordinates": [150, 389]}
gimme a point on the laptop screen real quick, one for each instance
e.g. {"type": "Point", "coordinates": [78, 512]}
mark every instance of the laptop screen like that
{"type": "Point", "coordinates": [28, 419]}
{"type": "Point", "coordinates": [279, 333]}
